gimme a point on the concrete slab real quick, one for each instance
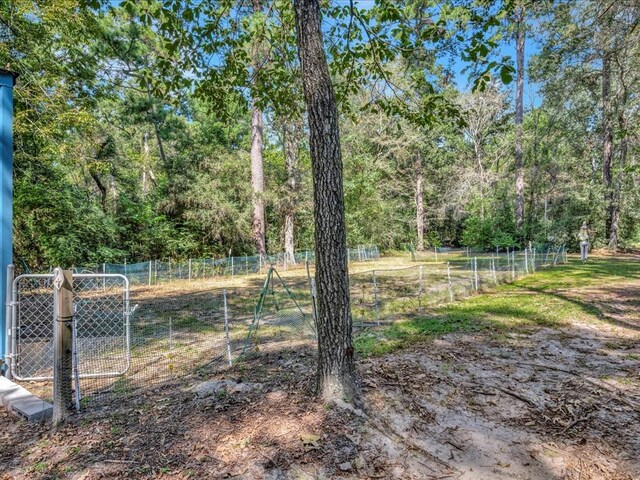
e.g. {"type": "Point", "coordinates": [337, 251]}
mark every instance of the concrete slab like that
{"type": "Point", "coordinates": [20, 401]}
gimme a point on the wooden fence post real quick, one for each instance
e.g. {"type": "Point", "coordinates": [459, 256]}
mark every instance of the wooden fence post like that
{"type": "Point", "coordinates": [62, 346]}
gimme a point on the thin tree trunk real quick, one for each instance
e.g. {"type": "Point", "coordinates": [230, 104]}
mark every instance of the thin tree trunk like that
{"type": "Point", "coordinates": [531, 216]}
{"type": "Point", "coordinates": [336, 378]}
{"type": "Point", "coordinates": [607, 139]}
{"type": "Point", "coordinates": [102, 188]}
{"type": "Point", "coordinates": [257, 180]}
{"type": "Point", "coordinates": [257, 175]}
{"type": "Point", "coordinates": [291, 159]}
{"type": "Point", "coordinates": [477, 146]}
{"type": "Point", "coordinates": [419, 202]}
{"type": "Point", "coordinates": [520, 41]}
{"type": "Point", "coordinates": [617, 193]}
{"type": "Point", "coordinates": [145, 187]}
{"type": "Point", "coordinates": [156, 129]}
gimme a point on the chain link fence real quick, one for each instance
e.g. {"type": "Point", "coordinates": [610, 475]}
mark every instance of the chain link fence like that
{"type": "Point", "coordinates": [31, 332]}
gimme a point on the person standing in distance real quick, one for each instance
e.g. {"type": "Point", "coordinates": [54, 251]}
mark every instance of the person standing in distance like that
{"type": "Point", "coordinates": [583, 236]}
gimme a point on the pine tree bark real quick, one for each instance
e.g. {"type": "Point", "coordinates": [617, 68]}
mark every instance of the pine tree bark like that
{"type": "Point", "coordinates": [419, 202]}
{"type": "Point", "coordinates": [519, 162]}
{"type": "Point", "coordinates": [336, 376]}
{"type": "Point", "coordinates": [257, 173]}
{"type": "Point", "coordinates": [290, 143]}
{"type": "Point", "coordinates": [607, 140]}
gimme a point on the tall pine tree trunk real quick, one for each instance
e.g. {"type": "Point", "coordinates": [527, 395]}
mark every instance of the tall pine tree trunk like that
{"type": "Point", "coordinates": [257, 180]}
{"type": "Point", "coordinates": [336, 377]}
{"type": "Point", "coordinates": [419, 202]}
{"type": "Point", "coordinates": [520, 40]}
{"type": "Point", "coordinates": [290, 142]}
{"type": "Point", "coordinates": [257, 175]}
{"type": "Point", "coordinates": [607, 140]}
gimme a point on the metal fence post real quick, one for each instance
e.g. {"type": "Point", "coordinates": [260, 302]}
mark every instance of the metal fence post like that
{"type": "Point", "coordinates": [149, 272]}
{"type": "Point", "coordinates": [226, 325]}
{"type": "Point", "coordinates": [513, 264]}
{"type": "Point", "coordinates": [449, 278]}
{"type": "Point", "coordinates": [435, 249]}
{"type": "Point", "coordinates": [375, 296]}
{"type": "Point", "coordinates": [76, 371]}
{"type": "Point", "coordinates": [62, 353]}
{"type": "Point", "coordinates": [526, 260]}
{"type": "Point", "coordinates": [14, 321]}
{"type": "Point", "coordinates": [312, 290]}
{"type": "Point", "coordinates": [170, 334]}
{"type": "Point", "coordinates": [9, 321]}
{"type": "Point", "coordinates": [420, 288]}
{"type": "Point", "coordinates": [475, 271]}
{"type": "Point", "coordinates": [189, 269]}
{"type": "Point", "coordinates": [493, 270]}
{"type": "Point", "coordinates": [533, 259]}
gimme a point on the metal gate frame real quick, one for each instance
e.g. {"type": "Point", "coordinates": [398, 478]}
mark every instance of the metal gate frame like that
{"type": "Point", "coordinates": [11, 334]}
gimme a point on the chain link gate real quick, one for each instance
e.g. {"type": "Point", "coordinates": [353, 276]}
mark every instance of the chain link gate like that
{"type": "Point", "coordinates": [101, 340]}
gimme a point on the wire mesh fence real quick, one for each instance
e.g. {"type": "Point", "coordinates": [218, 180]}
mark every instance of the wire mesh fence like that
{"type": "Point", "coordinates": [180, 332]}
{"type": "Point", "coordinates": [130, 344]}
{"type": "Point", "coordinates": [383, 295]}
{"type": "Point", "coordinates": [153, 272]}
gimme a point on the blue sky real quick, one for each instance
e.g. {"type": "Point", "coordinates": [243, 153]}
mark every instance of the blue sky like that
{"type": "Point", "coordinates": [531, 94]}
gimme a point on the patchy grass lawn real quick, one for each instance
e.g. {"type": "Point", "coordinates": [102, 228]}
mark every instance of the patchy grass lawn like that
{"type": "Point", "coordinates": [544, 299]}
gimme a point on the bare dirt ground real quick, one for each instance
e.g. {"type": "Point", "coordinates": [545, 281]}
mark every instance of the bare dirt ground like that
{"type": "Point", "coordinates": [535, 402]}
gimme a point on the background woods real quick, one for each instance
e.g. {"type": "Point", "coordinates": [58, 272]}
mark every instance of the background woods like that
{"type": "Point", "coordinates": [122, 151]}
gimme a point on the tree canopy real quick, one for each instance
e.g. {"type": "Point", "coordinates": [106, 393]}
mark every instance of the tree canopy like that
{"type": "Point", "coordinates": [133, 125]}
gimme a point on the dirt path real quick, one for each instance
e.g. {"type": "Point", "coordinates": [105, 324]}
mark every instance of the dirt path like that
{"type": "Point", "coordinates": [540, 404]}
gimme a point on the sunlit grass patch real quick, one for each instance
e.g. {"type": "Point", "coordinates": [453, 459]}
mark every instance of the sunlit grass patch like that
{"type": "Point", "coordinates": [533, 301]}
